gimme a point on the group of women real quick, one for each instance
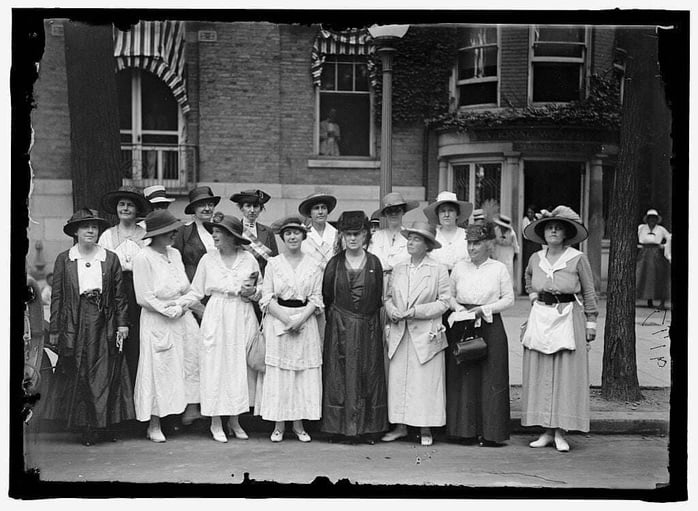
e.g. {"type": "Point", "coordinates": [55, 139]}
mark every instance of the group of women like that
{"type": "Point", "coordinates": [360, 324]}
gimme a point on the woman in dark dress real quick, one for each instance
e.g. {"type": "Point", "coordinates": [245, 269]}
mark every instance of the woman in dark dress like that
{"type": "Point", "coordinates": [89, 326]}
{"type": "Point", "coordinates": [355, 400]}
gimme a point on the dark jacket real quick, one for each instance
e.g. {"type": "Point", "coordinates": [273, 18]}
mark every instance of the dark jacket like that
{"type": "Point", "coordinates": [65, 301]}
{"type": "Point", "coordinates": [265, 236]}
{"type": "Point", "coordinates": [189, 244]}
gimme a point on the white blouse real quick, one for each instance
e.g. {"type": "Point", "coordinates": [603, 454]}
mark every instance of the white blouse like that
{"type": "Point", "coordinates": [89, 270]}
{"type": "Point", "coordinates": [454, 248]}
{"type": "Point", "coordinates": [320, 248]}
{"type": "Point", "coordinates": [282, 281]}
{"type": "Point", "coordinates": [655, 236]}
{"type": "Point", "coordinates": [389, 248]}
{"type": "Point", "coordinates": [125, 248]}
{"type": "Point", "coordinates": [488, 285]}
{"type": "Point", "coordinates": [159, 279]}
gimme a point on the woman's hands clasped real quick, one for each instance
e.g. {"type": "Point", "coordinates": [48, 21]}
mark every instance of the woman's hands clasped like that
{"type": "Point", "coordinates": [396, 315]}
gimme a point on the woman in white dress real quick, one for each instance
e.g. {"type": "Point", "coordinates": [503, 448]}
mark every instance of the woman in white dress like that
{"type": "Point", "coordinates": [126, 240]}
{"type": "Point", "coordinates": [166, 380]}
{"type": "Point", "coordinates": [231, 277]}
{"type": "Point", "coordinates": [292, 299]}
{"type": "Point", "coordinates": [447, 212]}
{"type": "Point", "coordinates": [418, 295]}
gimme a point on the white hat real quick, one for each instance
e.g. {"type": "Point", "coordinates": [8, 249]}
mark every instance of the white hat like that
{"type": "Point", "coordinates": [464, 208]}
{"type": "Point", "coordinates": [156, 193]}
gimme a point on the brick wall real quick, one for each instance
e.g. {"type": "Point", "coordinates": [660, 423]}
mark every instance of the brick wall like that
{"type": "Point", "coordinates": [514, 66]}
{"type": "Point", "coordinates": [602, 45]}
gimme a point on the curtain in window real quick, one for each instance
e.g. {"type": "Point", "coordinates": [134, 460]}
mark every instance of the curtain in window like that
{"type": "Point", "coordinates": [158, 47]}
{"type": "Point", "coordinates": [355, 41]}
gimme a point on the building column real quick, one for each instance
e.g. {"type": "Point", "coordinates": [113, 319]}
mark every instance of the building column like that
{"type": "Point", "coordinates": [596, 223]}
{"type": "Point", "coordinates": [443, 176]}
{"type": "Point", "coordinates": [510, 206]}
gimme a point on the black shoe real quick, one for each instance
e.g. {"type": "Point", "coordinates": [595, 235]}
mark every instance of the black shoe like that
{"type": "Point", "coordinates": [490, 443]}
{"type": "Point", "coordinates": [88, 438]}
{"type": "Point", "coordinates": [468, 440]}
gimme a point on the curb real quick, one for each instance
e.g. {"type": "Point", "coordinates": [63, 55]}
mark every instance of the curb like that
{"type": "Point", "coordinates": [611, 423]}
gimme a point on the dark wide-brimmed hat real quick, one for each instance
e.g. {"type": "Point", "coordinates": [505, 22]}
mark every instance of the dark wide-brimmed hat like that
{"type": "Point", "coordinates": [353, 221]}
{"type": "Point", "coordinates": [289, 222]}
{"type": "Point", "coordinates": [82, 216]}
{"type": "Point", "coordinates": [480, 232]}
{"type": "Point", "coordinates": [564, 214]}
{"type": "Point", "coordinates": [432, 210]}
{"type": "Point", "coordinates": [231, 224]}
{"type": "Point", "coordinates": [156, 194]}
{"type": "Point", "coordinates": [317, 198]}
{"type": "Point", "coordinates": [652, 212]}
{"type": "Point", "coordinates": [503, 221]}
{"type": "Point", "coordinates": [251, 196]}
{"type": "Point", "coordinates": [159, 222]}
{"type": "Point", "coordinates": [199, 194]}
{"type": "Point", "coordinates": [425, 230]}
{"type": "Point", "coordinates": [396, 199]}
{"type": "Point", "coordinates": [111, 199]}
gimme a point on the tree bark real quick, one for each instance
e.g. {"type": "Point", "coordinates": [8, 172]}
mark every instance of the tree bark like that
{"type": "Point", "coordinates": [94, 114]}
{"type": "Point", "coordinates": [619, 376]}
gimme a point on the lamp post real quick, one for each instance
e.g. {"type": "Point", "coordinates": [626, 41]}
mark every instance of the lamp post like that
{"type": "Point", "coordinates": [385, 37]}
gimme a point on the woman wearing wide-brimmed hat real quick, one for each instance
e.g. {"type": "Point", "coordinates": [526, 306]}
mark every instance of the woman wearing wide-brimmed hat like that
{"type": "Point", "coordinates": [126, 240]}
{"type": "Point", "coordinates": [354, 401]}
{"type": "Point", "coordinates": [447, 213]}
{"type": "Point", "coordinates": [555, 382]}
{"type": "Point", "coordinates": [231, 277]}
{"type": "Point", "coordinates": [506, 246]}
{"type": "Point", "coordinates": [292, 299]}
{"type": "Point", "coordinates": [262, 240]}
{"type": "Point", "coordinates": [89, 328]}
{"type": "Point", "coordinates": [653, 274]}
{"type": "Point", "coordinates": [322, 237]}
{"type": "Point", "coordinates": [418, 295]}
{"type": "Point", "coordinates": [388, 244]}
{"type": "Point", "coordinates": [168, 369]}
{"type": "Point", "coordinates": [477, 392]}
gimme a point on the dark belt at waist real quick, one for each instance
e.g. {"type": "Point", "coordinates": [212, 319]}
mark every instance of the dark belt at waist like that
{"type": "Point", "coordinates": [292, 303]}
{"type": "Point", "coordinates": [551, 298]}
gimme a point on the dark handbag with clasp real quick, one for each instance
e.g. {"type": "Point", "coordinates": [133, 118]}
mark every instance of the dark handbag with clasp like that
{"type": "Point", "coordinates": [469, 349]}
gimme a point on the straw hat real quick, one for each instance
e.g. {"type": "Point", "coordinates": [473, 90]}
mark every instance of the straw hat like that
{"type": "Point", "coordinates": [251, 196]}
{"type": "Point", "coordinates": [503, 221]}
{"type": "Point", "coordinates": [111, 199]}
{"type": "Point", "coordinates": [424, 229]}
{"type": "Point", "coordinates": [565, 214]}
{"type": "Point", "coordinates": [156, 194]}
{"type": "Point", "coordinates": [199, 194]}
{"type": "Point", "coordinates": [376, 217]}
{"type": "Point", "coordinates": [445, 197]}
{"type": "Point", "coordinates": [396, 199]}
{"type": "Point", "coordinates": [317, 198]}
{"type": "Point", "coordinates": [478, 215]}
{"type": "Point", "coordinates": [159, 222]}
{"type": "Point", "coordinates": [82, 216]}
{"type": "Point", "coordinates": [230, 224]}
{"type": "Point", "coordinates": [652, 212]}
{"type": "Point", "coordinates": [289, 222]}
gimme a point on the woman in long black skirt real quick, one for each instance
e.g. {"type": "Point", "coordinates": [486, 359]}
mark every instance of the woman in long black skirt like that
{"type": "Point", "coordinates": [89, 325]}
{"type": "Point", "coordinates": [477, 393]}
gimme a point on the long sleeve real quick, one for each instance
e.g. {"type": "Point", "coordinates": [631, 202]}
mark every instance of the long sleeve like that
{"type": "Point", "coordinates": [198, 285]}
{"type": "Point", "coordinates": [316, 292]}
{"type": "Point", "coordinates": [57, 293]}
{"type": "Point", "coordinates": [586, 279]}
{"type": "Point", "coordinates": [452, 283]}
{"type": "Point", "coordinates": [120, 299]}
{"type": "Point", "coordinates": [528, 275]}
{"type": "Point", "coordinates": [441, 304]}
{"type": "Point", "coordinates": [268, 286]}
{"type": "Point", "coordinates": [143, 275]}
{"type": "Point", "coordinates": [328, 282]}
{"type": "Point", "coordinates": [506, 293]}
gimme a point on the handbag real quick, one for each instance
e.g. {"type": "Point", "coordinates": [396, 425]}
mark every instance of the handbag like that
{"type": "Point", "coordinates": [470, 349]}
{"type": "Point", "coordinates": [257, 349]}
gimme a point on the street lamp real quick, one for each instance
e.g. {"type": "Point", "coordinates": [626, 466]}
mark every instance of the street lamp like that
{"type": "Point", "coordinates": [385, 37]}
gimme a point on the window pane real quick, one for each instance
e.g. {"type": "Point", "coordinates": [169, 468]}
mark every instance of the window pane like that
{"type": "Point", "coordinates": [345, 76]}
{"type": "Point", "coordinates": [478, 94]}
{"type": "Point", "coordinates": [327, 77]}
{"type": "Point", "coordinates": [123, 88]}
{"type": "Point", "coordinates": [558, 50]}
{"type": "Point", "coordinates": [461, 182]}
{"type": "Point", "coordinates": [476, 36]}
{"type": "Point", "coordinates": [158, 105]}
{"type": "Point", "coordinates": [361, 77]}
{"type": "Point", "coordinates": [126, 164]}
{"type": "Point", "coordinates": [347, 133]}
{"type": "Point", "coordinates": [159, 139]}
{"type": "Point", "coordinates": [556, 82]}
{"type": "Point", "coordinates": [567, 34]}
{"type": "Point", "coordinates": [477, 63]}
{"type": "Point", "coordinates": [488, 182]}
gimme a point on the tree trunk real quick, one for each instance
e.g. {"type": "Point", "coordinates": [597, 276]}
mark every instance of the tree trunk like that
{"type": "Point", "coordinates": [94, 114]}
{"type": "Point", "coordinates": [619, 377]}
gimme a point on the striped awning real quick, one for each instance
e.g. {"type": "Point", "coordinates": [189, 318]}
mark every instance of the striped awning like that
{"type": "Point", "coordinates": [158, 47]}
{"type": "Point", "coordinates": [356, 41]}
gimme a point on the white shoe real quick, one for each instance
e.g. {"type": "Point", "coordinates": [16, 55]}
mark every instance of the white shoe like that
{"type": "Point", "coordinates": [560, 443]}
{"type": "Point", "coordinates": [543, 441]}
{"type": "Point", "coordinates": [303, 436]}
{"type": "Point", "coordinates": [427, 440]}
{"type": "Point", "coordinates": [277, 436]}
{"type": "Point", "coordinates": [155, 435]}
{"type": "Point", "coordinates": [238, 433]}
{"type": "Point", "coordinates": [218, 435]}
{"type": "Point", "coordinates": [394, 435]}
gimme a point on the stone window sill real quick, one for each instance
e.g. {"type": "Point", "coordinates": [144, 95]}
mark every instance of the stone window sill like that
{"type": "Point", "coordinates": [344, 163]}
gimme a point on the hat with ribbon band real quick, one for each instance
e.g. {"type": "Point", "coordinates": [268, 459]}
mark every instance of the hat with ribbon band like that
{"type": "Point", "coordinates": [445, 197]}
{"type": "Point", "coordinates": [111, 199]}
{"type": "Point", "coordinates": [159, 222]}
{"type": "Point", "coordinates": [230, 224]}
{"type": "Point", "coordinates": [200, 194]}
{"type": "Point", "coordinates": [425, 230]}
{"type": "Point", "coordinates": [317, 198]}
{"type": "Point", "coordinates": [81, 216]}
{"type": "Point", "coordinates": [535, 230]}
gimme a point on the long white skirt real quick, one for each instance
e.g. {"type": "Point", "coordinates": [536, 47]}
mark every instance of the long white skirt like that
{"type": "Point", "coordinates": [416, 392]}
{"type": "Point", "coordinates": [168, 372]}
{"type": "Point", "coordinates": [289, 395]}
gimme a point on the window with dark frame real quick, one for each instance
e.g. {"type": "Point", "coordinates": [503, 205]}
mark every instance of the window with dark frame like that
{"type": "Point", "coordinates": [477, 77]}
{"type": "Point", "coordinates": [557, 63]}
{"type": "Point", "coordinates": [620, 57]}
{"type": "Point", "coordinates": [345, 107]}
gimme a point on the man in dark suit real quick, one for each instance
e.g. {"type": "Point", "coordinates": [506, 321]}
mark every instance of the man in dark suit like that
{"type": "Point", "coordinates": [251, 204]}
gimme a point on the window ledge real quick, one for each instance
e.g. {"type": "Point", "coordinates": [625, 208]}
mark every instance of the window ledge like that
{"type": "Point", "coordinates": [344, 163]}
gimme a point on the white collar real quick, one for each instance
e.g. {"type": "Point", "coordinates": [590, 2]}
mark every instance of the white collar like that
{"type": "Point", "coordinates": [74, 253]}
{"type": "Point", "coordinates": [543, 263]}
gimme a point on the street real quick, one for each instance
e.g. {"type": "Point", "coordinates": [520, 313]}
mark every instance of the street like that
{"type": "Point", "coordinates": [595, 461]}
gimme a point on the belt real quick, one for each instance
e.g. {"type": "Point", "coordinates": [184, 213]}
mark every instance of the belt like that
{"type": "Point", "coordinates": [92, 293]}
{"type": "Point", "coordinates": [552, 299]}
{"type": "Point", "coordinates": [292, 303]}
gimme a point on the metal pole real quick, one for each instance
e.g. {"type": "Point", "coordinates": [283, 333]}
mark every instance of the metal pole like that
{"type": "Point", "coordinates": [386, 181]}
